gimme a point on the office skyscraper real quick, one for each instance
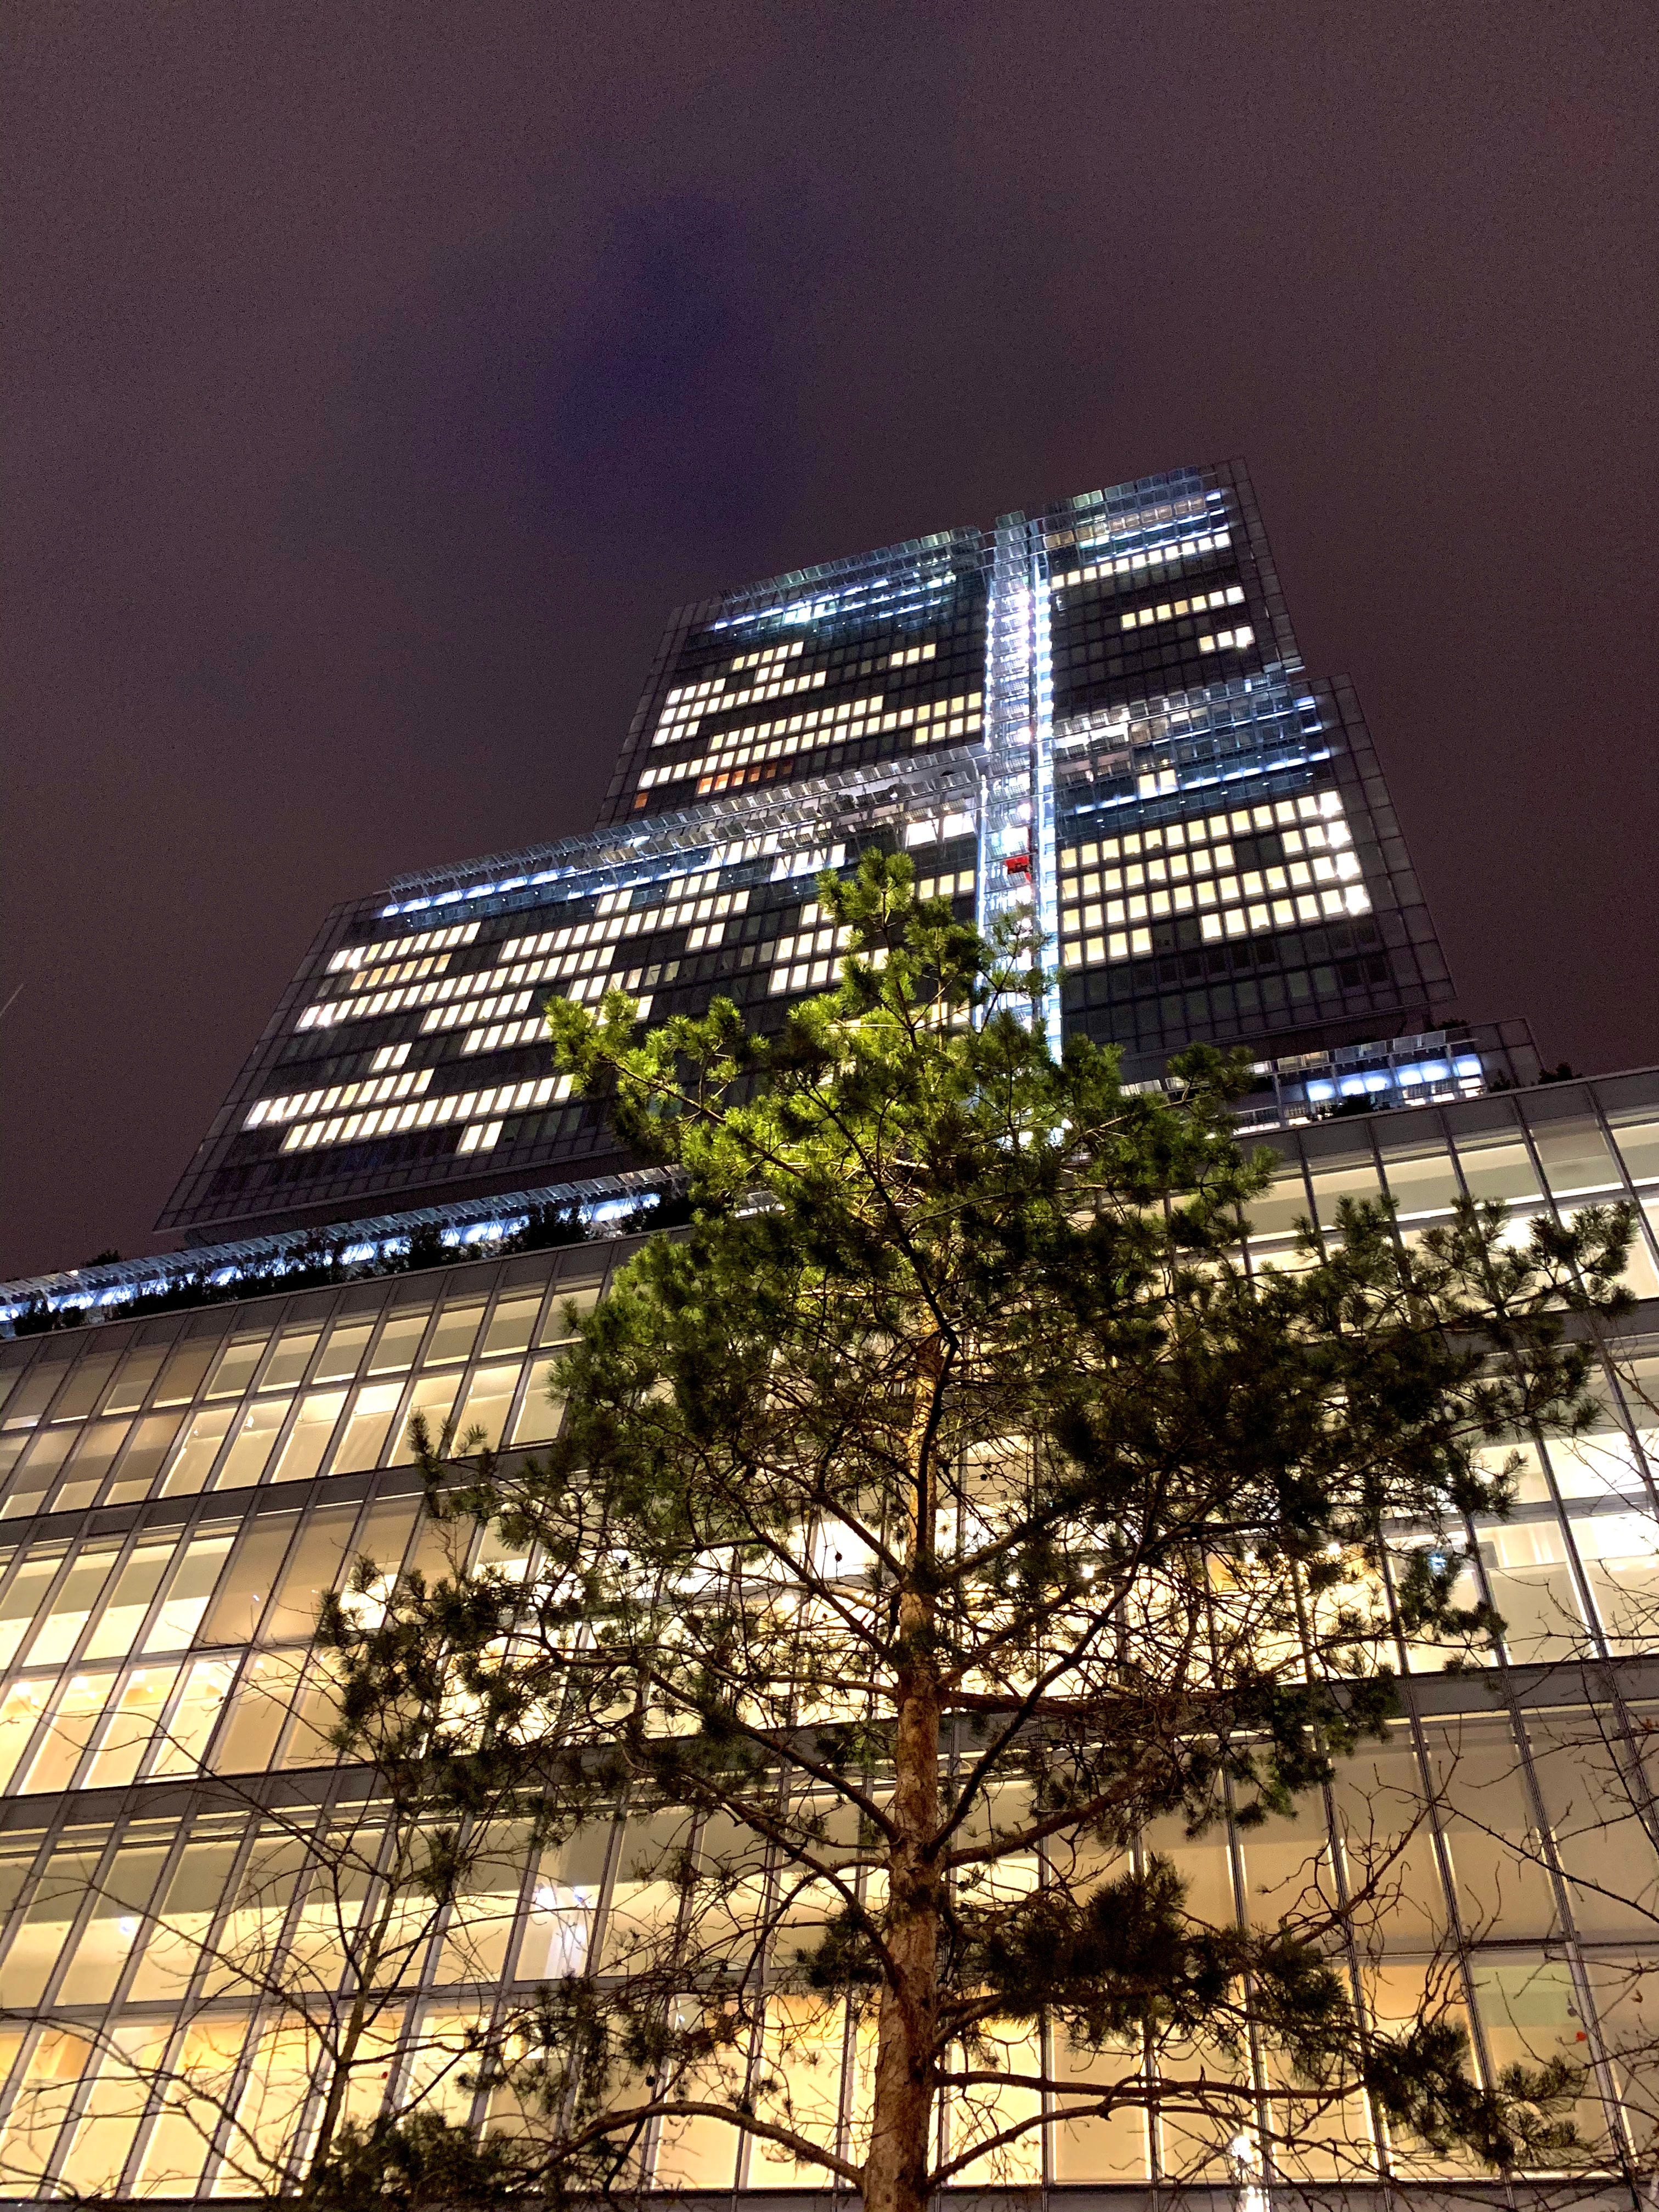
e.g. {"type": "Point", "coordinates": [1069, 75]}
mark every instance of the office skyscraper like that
{"type": "Point", "coordinates": [1098, 711]}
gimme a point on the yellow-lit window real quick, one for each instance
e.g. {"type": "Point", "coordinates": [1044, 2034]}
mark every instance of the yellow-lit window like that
{"type": "Point", "coordinates": [399, 1341]}
{"type": "Point", "coordinates": [138, 1370]}
{"type": "Point", "coordinates": [130, 1726]}
{"type": "Point", "coordinates": [278, 2081]}
{"type": "Point", "coordinates": [483, 1917]}
{"type": "Point", "coordinates": [21, 1708]}
{"type": "Point", "coordinates": [175, 1940]}
{"type": "Point", "coordinates": [152, 1441]}
{"type": "Point", "coordinates": [368, 1428]}
{"type": "Point", "coordinates": [289, 1362]}
{"type": "Point", "coordinates": [182, 1376]}
{"type": "Point", "coordinates": [120, 1903]}
{"type": "Point", "coordinates": [91, 1371]}
{"type": "Point", "coordinates": [433, 1398]}
{"type": "Point", "coordinates": [511, 1324]}
{"type": "Point", "coordinates": [104, 2134]}
{"type": "Point", "coordinates": [129, 1601]}
{"type": "Point", "coordinates": [71, 1606]}
{"type": "Point", "coordinates": [308, 1573]}
{"type": "Point", "coordinates": [70, 1731]}
{"type": "Point", "coordinates": [100, 1443]}
{"type": "Point", "coordinates": [307, 1440]}
{"type": "Point", "coordinates": [199, 1704]}
{"type": "Point", "coordinates": [570, 1301]}
{"type": "Point", "coordinates": [58, 1899]}
{"type": "Point", "coordinates": [191, 1586]}
{"type": "Point", "coordinates": [316, 1711]}
{"type": "Point", "coordinates": [458, 1326]}
{"type": "Point", "coordinates": [562, 1902]}
{"type": "Point", "coordinates": [489, 1397]}
{"type": "Point", "coordinates": [38, 1469]}
{"type": "Point", "coordinates": [247, 1741]}
{"type": "Point", "coordinates": [347, 1341]}
{"type": "Point", "coordinates": [540, 1414]}
{"type": "Point", "coordinates": [194, 1459]}
{"type": "Point", "coordinates": [237, 1363]}
{"type": "Point", "coordinates": [42, 2100]}
{"type": "Point", "coordinates": [256, 1432]}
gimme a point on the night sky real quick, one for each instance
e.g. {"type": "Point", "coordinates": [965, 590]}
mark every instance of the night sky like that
{"type": "Point", "coordinates": [377, 378]}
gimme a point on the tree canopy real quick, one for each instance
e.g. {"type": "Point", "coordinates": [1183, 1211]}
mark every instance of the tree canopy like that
{"type": "Point", "coordinates": [948, 1514]}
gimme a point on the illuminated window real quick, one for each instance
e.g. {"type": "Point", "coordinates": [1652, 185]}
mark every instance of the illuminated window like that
{"type": "Point", "coordinates": [1155, 556]}
{"type": "Point", "coordinates": [474, 1107]}
{"type": "Point", "coordinates": [745, 753]}
{"type": "Point", "coordinates": [956, 885]}
{"type": "Point", "coordinates": [427, 941]}
{"type": "Point", "coordinates": [1172, 609]}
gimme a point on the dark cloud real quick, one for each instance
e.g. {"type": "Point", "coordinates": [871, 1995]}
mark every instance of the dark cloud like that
{"type": "Point", "coordinates": [375, 380]}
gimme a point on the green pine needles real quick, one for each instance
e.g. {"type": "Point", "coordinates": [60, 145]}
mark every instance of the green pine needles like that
{"type": "Point", "coordinates": [947, 1531]}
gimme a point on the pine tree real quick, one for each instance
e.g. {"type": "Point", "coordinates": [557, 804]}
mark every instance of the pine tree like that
{"type": "Point", "coordinates": [947, 1505]}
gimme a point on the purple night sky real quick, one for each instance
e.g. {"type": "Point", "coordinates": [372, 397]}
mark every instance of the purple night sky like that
{"type": "Point", "coordinates": [376, 379]}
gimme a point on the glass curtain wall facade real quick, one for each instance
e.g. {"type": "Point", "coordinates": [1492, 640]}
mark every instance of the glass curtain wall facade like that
{"type": "Point", "coordinates": [877, 658]}
{"type": "Point", "coordinates": [178, 1494]}
{"type": "Point", "coordinates": [1214, 847]}
{"type": "Point", "coordinates": [408, 1059]}
{"type": "Point", "coordinates": [1095, 717]}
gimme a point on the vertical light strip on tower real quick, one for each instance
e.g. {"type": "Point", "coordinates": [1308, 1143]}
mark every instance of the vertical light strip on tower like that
{"type": "Point", "coordinates": [1045, 875]}
{"type": "Point", "coordinates": [1017, 814]}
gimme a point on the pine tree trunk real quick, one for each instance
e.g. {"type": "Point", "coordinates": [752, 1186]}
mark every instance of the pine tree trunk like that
{"type": "Point", "coordinates": [895, 2171]}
